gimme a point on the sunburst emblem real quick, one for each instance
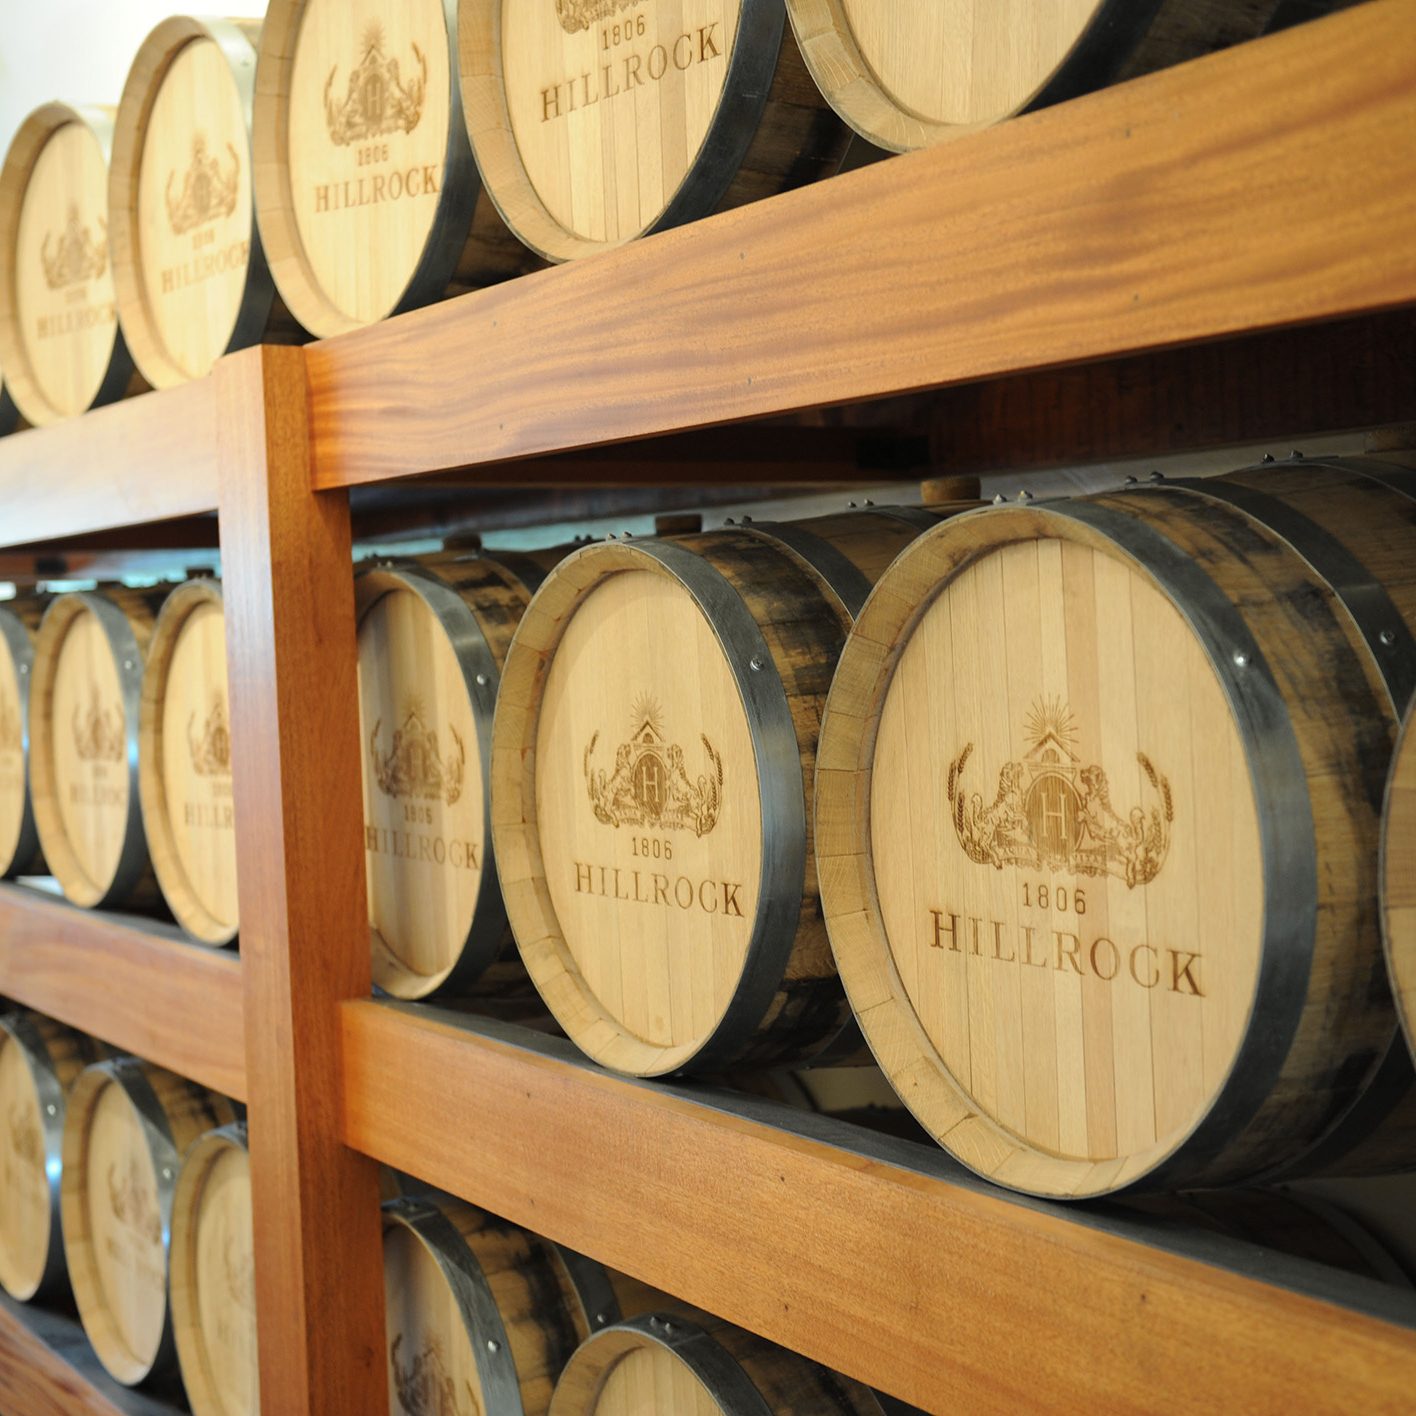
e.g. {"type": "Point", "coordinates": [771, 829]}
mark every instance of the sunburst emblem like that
{"type": "Point", "coordinates": [1051, 717]}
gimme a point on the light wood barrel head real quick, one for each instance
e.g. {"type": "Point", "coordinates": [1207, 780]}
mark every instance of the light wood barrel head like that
{"type": "Point", "coordinates": [365, 184]}
{"type": "Point", "coordinates": [213, 1277]}
{"type": "Point", "coordinates": [86, 683]}
{"type": "Point", "coordinates": [426, 727]}
{"type": "Point", "coordinates": [191, 281]}
{"type": "Point", "coordinates": [184, 749]}
{"type": "Point", "coordinates": [1398, 875]}
{"type": "Point", "coordinates": [18, 839]}
{"type": "Point", "coordinates": [641, 806]}
{"type": "Point", "coordinates": [120, 1167]}
{"type": "Point", "coordinates": [447, 1347]}
{"type": "Point", "coordinates": [59, 339]}
{"type": "Point", "coordinates": [31, 1130]}
{"type": "Point", "coordinates": [906, 74]}
{"type": "Point", "coordinates": [666, 1364]}
{"type": "Point", "coordinates": [598, 121]}
{"type": "Point", "coordinates": [1043, 848]}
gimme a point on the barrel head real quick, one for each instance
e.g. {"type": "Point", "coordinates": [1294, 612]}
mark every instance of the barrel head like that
{"type": "Point", "coordinates": [59, 334]}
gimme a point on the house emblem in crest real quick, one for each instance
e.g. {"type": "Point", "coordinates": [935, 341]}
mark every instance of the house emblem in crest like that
{"type": "Point", "coordinates": [208, 191]}
{"type": "Point", "coordinates": [577, 15]}
{"type": "Point", "coordinates": [11, 732]}
{"type": "Point", "coordinates": [74, 255]}
{"type": "Point", "coordinates": [650, 785]}
{"type": "Point", "coordinates": [414, 765]}
{"type": "Point", "coordinates": [423, 1385]}
{"type": "Point", "coordinates": [1053, 812]}
{"type": "Point", "coordinates": [26, 1142]}
{"type": "Point", "coordinates": [132, 1201]}
{"type": "Point", "coordinates": [211, 748]}
{"type": "Point", "coordinates": [98, 734]}
{"type": "Point", "coordinates": [377, 99]}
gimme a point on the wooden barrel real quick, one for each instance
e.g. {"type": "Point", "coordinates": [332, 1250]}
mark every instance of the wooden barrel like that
{"type": "Point", "coordinates": [19, 839]}
{"type": "Point", "coordinates": [674, 1365]}
{"type": "Point", "coordinates": [39, 1061]}
{"type": "Point", "coordinates": [595, 122]}
{"type": "Point", "coordinates": [213, 1290]}
{"type": "Point", "coordinates": [476, 1306]}
{"type": "Point", "coordinates": [1097, 818]}
{"type": "Point", "coordinates": [910, 73]}
{"type": "Point", "coordinates": [1398, 864]}
{"type": "Point", "coordinates": [432, 640]}
{"type": "Point", "coordinates": [1354, 520]}
{"type": "Point", "coordinates": [190, 275]}
{"type": "Point", "coordinates": [60, 344]}
{"type": "Point", "coordinates": [87, 684]}
{"type": "Point", "coordinates": [184, 762]}
{"type": "Point", "coordinates": [652, 761]}
{"type": "Point", "coordinates": [127, 1128]}
{"type": "Point", "coordinates": [366, 192]}
{"type": "Point", "coordinates": [1304, 1226]}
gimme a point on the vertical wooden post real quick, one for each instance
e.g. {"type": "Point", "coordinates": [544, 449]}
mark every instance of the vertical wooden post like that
{"type": "Point", "coordinates": [300, 858]}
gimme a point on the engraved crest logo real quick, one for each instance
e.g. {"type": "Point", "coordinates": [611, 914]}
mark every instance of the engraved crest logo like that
{"type": "Point", "coordinates": [26, 1142]}
{"type": "Point", "coordinates": [378, 99]}
{"type": "Point", "coordinates": [11, 730]}
{"type": "Point", "coordinates": [414, 765]}
{"type": "Point", "coordinates": [98, 734]}
{"type": "Point", "coordinates": [239, 1262]}
{"type": "Point", "coordinates": [577, 15]}
{"type": "Point", "coordinates": [208, 191]}
{"type": "Point", "coordinates": [423, 1385]}
{"type": "Point", "coordinates": [1052, 811]}
{"type": "Point", "coordinates": [211, 747]}
{"type": "Point", "coordinates": [649, 785]}
{"type": "Point", "coordinates": [133, 1202]}
{"type": "Point", "coordinates": [75, 254]}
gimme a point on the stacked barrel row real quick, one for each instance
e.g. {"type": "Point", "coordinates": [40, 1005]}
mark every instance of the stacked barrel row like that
{"type": "Point", "coordinates": [339, 163]}
{"type": "Point", "coordinates": [129, 1188]}
{"type": "Point", "coordinates": [1093, 841]}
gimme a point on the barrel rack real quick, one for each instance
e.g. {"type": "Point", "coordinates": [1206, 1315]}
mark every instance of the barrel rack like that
{"type": "Point", "coordinates": [1217, 254]}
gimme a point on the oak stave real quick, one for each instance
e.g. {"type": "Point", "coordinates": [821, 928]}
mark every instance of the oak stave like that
{"type": "Point", "coordinates": [184, 762]}
{"type": "Point", "coordinates": [681, 1363]}
{"type": "Point", "coordinates": [1398, 875]}
{"type": "Point", "coordinates": [1275, 648]}
{"type": "Point", "coordinates": [433, 636]}
{"type": "Point", "coordinates": [212, 1283]}
{"type": "Point", "coordinates": [477, 1304]}
{"type": "Point", "coordinates": [84, 770]}
{"type": "Point", "coordinates": [39, 1062]}
{"type": "Point", "coordinates": [191, 278]}
{"type": "Point", "coordinates": [19, 838]}
{"type": "Point", "coordinates": [1354, 520]}
{"type": "Point", "coordinates": [388, 260]}
{"type": "Point", "coordinates": [133, 1122]}
{"type": "Point", "coordinates": [900, 75]}
{"type": "Point", "coordinates": [53, 235]}
{"type": "Point", "coordinates": [735, 122]}
{"type": "Point", "coordinates": [713, 649]}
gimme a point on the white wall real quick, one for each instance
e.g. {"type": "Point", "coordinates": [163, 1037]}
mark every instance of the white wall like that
{"type": "Point", "coordinates": [79, 50]}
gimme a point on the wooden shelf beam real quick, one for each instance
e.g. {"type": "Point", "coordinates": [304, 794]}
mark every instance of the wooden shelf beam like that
{"type": "Point", "coordinates": [137, 983]}
{"type": "Point", "coordinates": [1269, 185]}
{"type": "Point", "coordinates": [146, 459]}
{"type": "Point", "coordinates": [893, 1265]}
{"type": "Point", "coordinates": [47, 1368]}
